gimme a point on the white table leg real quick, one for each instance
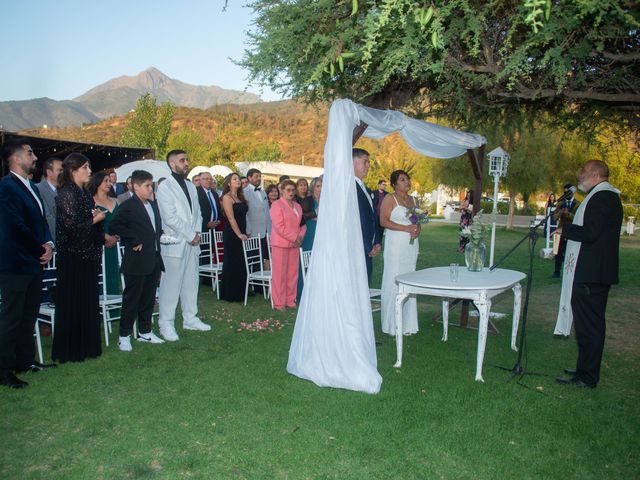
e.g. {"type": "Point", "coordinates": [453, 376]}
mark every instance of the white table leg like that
{"type": "Point", "coordinates": [517, 299]}
{"type": "Point", "coordinates": [484, 307]}
{"type": "Point", "coordinates": [401, 297]}
{"type": "Point", "coordinates": [445, 319]}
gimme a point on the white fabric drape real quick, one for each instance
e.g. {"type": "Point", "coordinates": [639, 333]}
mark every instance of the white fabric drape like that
{"type": "Point", "coordinates": [333, 343]}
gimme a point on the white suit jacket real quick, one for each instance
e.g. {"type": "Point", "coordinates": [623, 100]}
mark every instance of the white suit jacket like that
{"type": "Point", "coordinates": [258, 219]}
{"type": "Point", "coordinates": [179, 222]}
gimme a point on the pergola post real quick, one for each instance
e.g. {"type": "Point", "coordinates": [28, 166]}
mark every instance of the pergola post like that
{"type": "Point", "coordinates": [358, 131]}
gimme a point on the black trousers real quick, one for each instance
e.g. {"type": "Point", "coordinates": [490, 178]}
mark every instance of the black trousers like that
{"type": "Point", "coordinates": [137, 301]}
{"type": "Point", "coordinates": [18, 311]}
{"type": "Point", "coordinates": [562, 248]}
{"type": "Point", "coordinates": [589, 302]}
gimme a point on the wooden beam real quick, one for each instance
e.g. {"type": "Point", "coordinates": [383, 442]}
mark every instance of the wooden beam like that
{"type": "Point", "coordinates": [358, 131]}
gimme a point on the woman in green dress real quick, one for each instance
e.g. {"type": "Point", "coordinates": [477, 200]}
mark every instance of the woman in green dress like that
{"type": "Point", "coordinates": [99, 187]}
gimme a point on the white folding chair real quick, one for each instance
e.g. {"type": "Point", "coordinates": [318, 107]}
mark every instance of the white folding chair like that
{"type": "Point", "coordinates": [109, 303]}
{"type": "Point", "coordinates": [305, 258]}
{"type": "Point", "coordinates": [375, 295]}
{"type": "Point", "coordinates": [209, 266]}
{"type": "Point", "coordinates": [256, 274]}
{"type": "Point", "coordinates": [218, 249]}
{"type": "Point", "coordinates": [47, 310]}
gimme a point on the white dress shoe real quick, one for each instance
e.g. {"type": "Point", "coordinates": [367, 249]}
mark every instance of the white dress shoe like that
{"type": "Point", "coordinates": [169, 334]}
{"type": "Point", "coordinates": [149, 338]}
{"type": "Point", "coordinates": [196, 324]}
{"type": "Point", "coordinates": [124, 344]}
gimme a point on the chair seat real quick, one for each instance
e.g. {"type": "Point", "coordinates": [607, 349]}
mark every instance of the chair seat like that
{"type": "Point", "coordinates": [47, 309]}
{"type": "Point", "coordinates": [216, 267]}
{"type": "Point", "coordinates": [264, 275]}
{"type": "Point", "coordinates": [111, 299]}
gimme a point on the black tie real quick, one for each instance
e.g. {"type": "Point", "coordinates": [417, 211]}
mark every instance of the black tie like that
{"type": "Point", "coordinates": [258, 189]}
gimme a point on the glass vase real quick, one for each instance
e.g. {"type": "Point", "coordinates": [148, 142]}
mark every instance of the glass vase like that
{"type": "Point", "coordinates": [474, 256]}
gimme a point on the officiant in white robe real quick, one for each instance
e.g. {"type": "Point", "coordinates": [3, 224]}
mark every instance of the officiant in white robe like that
{"type": "Point", "coordinates": [181, 221]}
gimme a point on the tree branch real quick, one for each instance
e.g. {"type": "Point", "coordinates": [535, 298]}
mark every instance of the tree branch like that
{"type": "Point", "coordinates": [531, 94]}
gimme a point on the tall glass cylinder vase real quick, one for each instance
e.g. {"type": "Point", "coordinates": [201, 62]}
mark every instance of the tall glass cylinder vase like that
{"type": "Point", "coordinates": [474, 256]}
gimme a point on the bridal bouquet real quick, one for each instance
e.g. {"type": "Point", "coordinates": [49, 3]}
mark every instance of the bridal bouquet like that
{"type": "Point", "coordinates": [417, 216]}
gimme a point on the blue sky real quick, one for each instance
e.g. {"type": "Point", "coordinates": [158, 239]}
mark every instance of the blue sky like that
{"type": "Point", "coordinates": [62, 48]}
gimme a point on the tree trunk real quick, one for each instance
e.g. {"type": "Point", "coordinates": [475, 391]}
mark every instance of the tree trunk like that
{"type": "Point", "coordinates": [512, 209]}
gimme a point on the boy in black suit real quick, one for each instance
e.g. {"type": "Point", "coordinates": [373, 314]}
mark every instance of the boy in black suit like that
{"type": "Point", "coordinates": [137, 222]}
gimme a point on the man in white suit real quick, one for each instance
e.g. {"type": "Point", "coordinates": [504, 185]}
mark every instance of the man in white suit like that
{"type": "Point", "coordinates": [181, 223]}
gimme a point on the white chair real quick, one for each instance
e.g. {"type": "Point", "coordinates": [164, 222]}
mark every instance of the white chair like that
{"type": "Point", "coordinates": [47, 310]}
{"type": "Point", "coordinates": [375, 295]}
{"type": "Point", "coordinates": [109, 303]}
{"type": "Point", "coordinates": [210, 267]}
{"type": "Point", "coordinates": [305, 258]}
{"type": "Point", "coordinates": [256, 274]}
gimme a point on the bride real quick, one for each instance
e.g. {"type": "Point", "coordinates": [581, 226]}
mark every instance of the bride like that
{"type": "Point", "coordinates": [400, 255]}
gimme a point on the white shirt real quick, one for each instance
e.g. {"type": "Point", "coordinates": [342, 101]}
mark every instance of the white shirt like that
{"type": "Point", "coordinates": [152, 217]}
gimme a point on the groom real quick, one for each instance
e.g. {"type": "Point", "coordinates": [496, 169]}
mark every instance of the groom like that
{"type": "Point", "coordinates": [368, 221]}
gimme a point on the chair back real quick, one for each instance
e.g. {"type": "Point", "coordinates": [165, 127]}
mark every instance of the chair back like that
{"type": "Point", "coordinates": [206, 250]}
{"type": "Point", "coordinates": [305, 258]}
{"type": "Point", "coordinates": [218, 247]}
{"type": "Point", "coordinates": [252, 248]}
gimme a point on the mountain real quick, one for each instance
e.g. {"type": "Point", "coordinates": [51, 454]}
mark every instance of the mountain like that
{"type": "Point", "coordinates": [116, 97]}
{"type": "Point", "coordinates": [37, 112]}
{"type": "Point", "coordinates": [119, 95]}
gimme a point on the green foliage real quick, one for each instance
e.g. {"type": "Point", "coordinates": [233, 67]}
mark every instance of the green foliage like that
{"type": "Point", "coordinates": [149, 125]}
{"type": "Point", "coordinates": [463, 59]}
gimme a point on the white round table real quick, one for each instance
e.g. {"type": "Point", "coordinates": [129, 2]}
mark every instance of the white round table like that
{"type": "Point", "coordinates": [479, 287]}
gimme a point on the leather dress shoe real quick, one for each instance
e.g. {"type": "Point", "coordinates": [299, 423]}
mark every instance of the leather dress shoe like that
{"type": "Point", "coordinates": [36, 367]}
{"type": "Point", "coordinates": [10, 380]}
{"type": "Point", "coordinates": [570, 371]}
{"type": "Point", "coordinates": [575, 381]}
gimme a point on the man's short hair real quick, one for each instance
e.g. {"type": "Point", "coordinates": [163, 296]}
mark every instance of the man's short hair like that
{"type": "Point", "coordinates": [252, 172]}
{"type": "Point", "coordinates": [599, 167]}
{"type": "Point", "coordinates": [358, 152]}
{"type": "Point", "coordinates": [48, 163]}
{"type": "Point", "coordinates": [173, 153]}
{"type": "Point", "coordinates": [283, 178]}
{"type": "Point", "coordinates": [567, 186]}
{"type": "Point", "coordinates": [382, 180]}
{"type": "Point", "coordinates": [11, 147]}
{"type": "Point", "coordinates": [197, 175]}
{"type": "Point", "coordinates": [140, 176]}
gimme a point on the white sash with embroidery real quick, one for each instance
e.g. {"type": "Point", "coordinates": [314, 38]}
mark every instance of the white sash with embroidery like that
{"type": "Point", "coordinates": [565, 314]}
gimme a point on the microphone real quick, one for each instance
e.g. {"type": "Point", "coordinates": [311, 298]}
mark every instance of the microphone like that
{"type": "Point", "coordinates": [567, 193]}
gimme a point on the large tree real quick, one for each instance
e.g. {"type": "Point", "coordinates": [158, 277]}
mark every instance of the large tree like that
{"type": "Point", "coordinates": [149, 125]}
{"type": "Point", "coordinates": [460, 58]}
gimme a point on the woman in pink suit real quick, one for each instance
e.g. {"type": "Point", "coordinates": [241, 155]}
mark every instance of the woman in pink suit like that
{"type": "Point", "coordinates": [286, 237]}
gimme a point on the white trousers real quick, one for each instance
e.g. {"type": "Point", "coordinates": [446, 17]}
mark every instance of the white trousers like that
{"type": "Point", "coordinates": [179, 282]}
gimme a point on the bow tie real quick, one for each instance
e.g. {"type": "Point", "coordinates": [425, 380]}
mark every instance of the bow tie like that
{"type": "Point", "coordinates": [258, 189]}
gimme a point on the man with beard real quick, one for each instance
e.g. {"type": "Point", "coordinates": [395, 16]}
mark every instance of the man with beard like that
{"type": "Point", "coordinates": [25, 243]}
{"type": "Point", "coordinates": [182, 222]}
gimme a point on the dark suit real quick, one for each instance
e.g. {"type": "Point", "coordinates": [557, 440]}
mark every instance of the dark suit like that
{"type": "Point", "coordinates": [596, 270]}
{"type": "Point", "coordinates": [23, 231]}
{"type": "Point", "coordinates": [369, 225]}
{"type": "Point", "coordinates": [141, 269]}
{"type": "Point", "coordinates": [117, 190]}
{"type": "Point", "coordinates": [205, 207]}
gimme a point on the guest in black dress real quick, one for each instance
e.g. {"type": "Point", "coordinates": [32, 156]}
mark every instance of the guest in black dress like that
{"type": "Point", "coordinates": [234, 273]}
{"type": "Point", "coordinates": [79, 241]}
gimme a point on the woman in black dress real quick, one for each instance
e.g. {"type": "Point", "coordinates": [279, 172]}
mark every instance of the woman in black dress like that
{"type": "Point", "coordinates": [234, 273]}
{"type": "Point", "coordinates": [79, 240]}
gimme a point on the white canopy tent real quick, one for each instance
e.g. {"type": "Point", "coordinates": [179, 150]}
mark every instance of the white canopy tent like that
{"type": "Point", "coordinates": [333, 343]}
{"type": "Point", "coordinates": [157, 168]}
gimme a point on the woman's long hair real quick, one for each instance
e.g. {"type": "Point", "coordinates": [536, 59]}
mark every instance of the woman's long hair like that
{"type": "Point", "coordinates": [95, 181]}
{"type": "Point", "coordinates": [226, 187]}
{"type": "Point", "coordinates": [70, 164]}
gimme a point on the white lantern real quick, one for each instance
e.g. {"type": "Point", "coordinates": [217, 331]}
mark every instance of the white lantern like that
{"type": "Point", "coordinates": [498, 162]}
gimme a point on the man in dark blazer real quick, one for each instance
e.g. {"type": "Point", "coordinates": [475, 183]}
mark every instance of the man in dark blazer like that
{"type": "Point", "coordinates": [596, 229]}
{"type": "Point", "coordinates": [368, 221]}
{"type": "Point", "coordinates": [209, 203]}
{"type": "Point", "coordinates": [48, 188]}
{"type": "Point", "coordinates": [26, 245]}
{"type": "Point", "coordinates": [116, 188]}
{"type": "Point", "coordinates": [137, 222]}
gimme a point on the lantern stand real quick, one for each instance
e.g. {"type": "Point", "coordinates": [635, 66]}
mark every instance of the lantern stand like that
{"type": "Point", "coordinates": [498, 163]}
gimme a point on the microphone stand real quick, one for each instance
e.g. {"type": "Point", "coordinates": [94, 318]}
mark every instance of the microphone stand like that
{"type": "Point", "coordinates": [518, 370]}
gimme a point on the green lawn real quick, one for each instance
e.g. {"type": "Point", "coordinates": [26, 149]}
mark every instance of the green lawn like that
{"type": "Point", "coordinates": [221, 405]}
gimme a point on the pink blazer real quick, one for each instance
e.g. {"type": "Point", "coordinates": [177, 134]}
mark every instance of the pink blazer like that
{"type": "Point", "coordinates": [285, 224]}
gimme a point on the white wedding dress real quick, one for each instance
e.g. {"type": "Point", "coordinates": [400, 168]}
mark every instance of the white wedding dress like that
{"type": "Point", "coordinates": [399, 257]}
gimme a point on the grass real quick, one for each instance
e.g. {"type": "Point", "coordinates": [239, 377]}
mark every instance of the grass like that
{"type": "Point", "coordinates": [221, 405]}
